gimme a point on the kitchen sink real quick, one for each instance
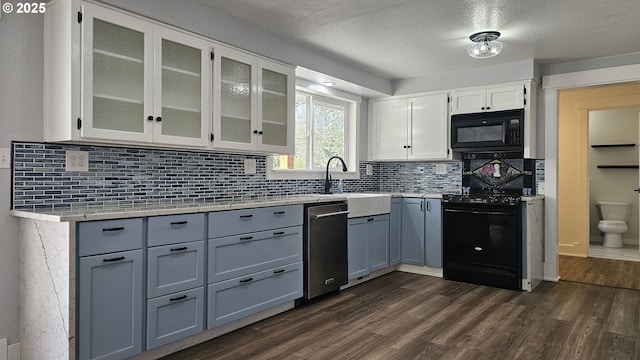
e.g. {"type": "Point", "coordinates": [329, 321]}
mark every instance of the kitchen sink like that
{"type": "Point", "coordinates": [365, 204]}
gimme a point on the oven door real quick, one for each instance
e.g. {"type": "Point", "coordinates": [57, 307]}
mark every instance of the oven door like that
{"type": "Point", "coordinates": [482, 244]}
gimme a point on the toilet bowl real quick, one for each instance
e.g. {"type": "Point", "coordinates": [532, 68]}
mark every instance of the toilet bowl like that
{"type": "Point", "coordinates": [613, 221]}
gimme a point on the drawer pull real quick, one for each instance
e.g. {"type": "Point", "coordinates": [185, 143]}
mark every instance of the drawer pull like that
{"type": "Point", "coordinates": [279, 212]}
{"type": "Point", "coordinates": [278, 233]}
{"type": "Point", "coordinates": [183, 222]}
{"type": "Point", "coordinates": [179, 249]}
{"type": "Point", "coordinates": [114, 228]}
{"type": "Point", "coordinates": [246, 238]}
{"type": "Point", "coordinates": [278, 271]}
{"type": "Point", "coordinates": [178, 298]}
{"type": "Point", "coordinates": [114, 259]}
{"type": "Point", "coordinates": [246, 280]}
{"type": "Point", "coordinates": [246, 216]}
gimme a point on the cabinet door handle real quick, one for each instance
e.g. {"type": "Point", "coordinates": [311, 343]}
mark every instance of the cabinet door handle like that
{"type": "Point", "coordinates": [278, 233]}
{"type": "Point", "coordinates": [482, 108]}
{"type": "Point", "coordinates": [369, 219]}
{"type": "Point", "coordinates": [246, 216]}
{"type": "Point", "coordinates": [255, 131]}
{"type": "Point", "coordinates": [113, 229]}
{"type": "Point", "coordinates": [150, 118]}
{"type": "Point", "coordinates": [421, 205]}
{"type": "Point", "coordinates": [246, 280]}
{"type": "Point", "coordinates": [428, 205]}
{"type": "Point", "coordinates": [488, 107]}
{"type": "Point", "coordinates": [246, 238]}
{"type": "Point", "coordinates": [278, 271]}
{"type": "Point", "coordinates": [260, 132]}
{"type": "Point", "coordinates": [179, 249]}
{"type": "Point", "coordinates": [178, 298]}
{"type": "Point", "coordinates": [113, 259]}
{"type": "Point", "coordinates": [279, 212]}
{"type": "Point", "coordinates": [159, 118]}
{"type": "Point", "coordinates": [183, 222]}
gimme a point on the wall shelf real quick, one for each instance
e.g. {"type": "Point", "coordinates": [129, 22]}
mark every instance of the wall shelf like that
{"type": "Point", "coordinates": [618, 166]}
{"type": "Point", "coordinates": [612, 145]}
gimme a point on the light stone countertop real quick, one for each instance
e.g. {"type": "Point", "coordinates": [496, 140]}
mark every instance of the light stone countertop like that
{"type": "Point", "coordinates": [88, 212]}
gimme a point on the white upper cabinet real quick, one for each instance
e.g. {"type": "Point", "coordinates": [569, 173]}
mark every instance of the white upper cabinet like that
{"type": "Point", "coordinates": [409, 128]}
{"type": "Point", "coordinates": [487, 99]}
{"type": "Point", "coordinates": [253, 103]}
{"type": "Point", "coordinates": [111, 77]}
{"type": "Point", "coordinates": [142, 83]}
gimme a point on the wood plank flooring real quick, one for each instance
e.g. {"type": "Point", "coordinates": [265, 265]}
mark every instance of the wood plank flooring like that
{"type": "Point", "coordinates": [616, 273]}
{"type": "Point", "coordinates": [409, 316]}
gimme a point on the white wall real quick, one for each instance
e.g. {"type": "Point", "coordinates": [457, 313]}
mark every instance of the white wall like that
{"type": "Point", "coordinates": [21, 64]}
{"type": "Point", "coordinates": [613, 126]}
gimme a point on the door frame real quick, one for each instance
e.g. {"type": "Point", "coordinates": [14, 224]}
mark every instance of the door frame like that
{"type": "Point", "coordinates": [551, 84]}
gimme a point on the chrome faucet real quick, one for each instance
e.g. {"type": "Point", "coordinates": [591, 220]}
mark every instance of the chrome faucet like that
{"type": "Point", "coordinates": [327, 179]}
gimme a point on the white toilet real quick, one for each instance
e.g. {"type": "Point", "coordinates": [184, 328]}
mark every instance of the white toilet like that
{"type": "Point", "coordinates": [613, 221]}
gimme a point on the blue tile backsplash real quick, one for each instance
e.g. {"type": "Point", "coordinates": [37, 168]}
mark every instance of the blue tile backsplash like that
{"type": "Point", "coordinates": [135, 176]}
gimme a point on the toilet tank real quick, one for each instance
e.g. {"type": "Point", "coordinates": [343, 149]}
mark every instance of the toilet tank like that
{"type": "Point", "coordinates": [613, 210]}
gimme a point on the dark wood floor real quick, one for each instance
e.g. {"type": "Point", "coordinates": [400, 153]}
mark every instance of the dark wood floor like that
{"type": "Point", "coordinates": [409, 316]}
{"type": "Point", "coordinates": [616, 273]}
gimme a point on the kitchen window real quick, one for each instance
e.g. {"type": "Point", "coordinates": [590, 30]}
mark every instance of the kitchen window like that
{"type": "Point", "coordinates": [325, 126]}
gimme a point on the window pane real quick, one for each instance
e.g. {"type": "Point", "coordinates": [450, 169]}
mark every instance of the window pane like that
{"type": "Point", "coordinates": [328, 134]}
{"type": "Point", "coordinates": [300, 158]}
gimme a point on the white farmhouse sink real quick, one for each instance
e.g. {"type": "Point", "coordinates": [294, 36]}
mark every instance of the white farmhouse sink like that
{"type": "Point", "coordinates": [365, 204]}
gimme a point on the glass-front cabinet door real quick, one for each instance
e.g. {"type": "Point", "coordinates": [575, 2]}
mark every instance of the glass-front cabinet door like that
{"type": "Point", "coordinates": [182, 80]}
{"type": "Point", "coordinates": [234, 101]}
{"type": "Point", "coordinates": [117, 57]}
{"type": "Point", "coordinates": [276, 102]}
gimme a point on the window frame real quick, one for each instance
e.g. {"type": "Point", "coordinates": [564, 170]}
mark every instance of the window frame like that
{"type": "Point", "coordinates": [330, 96]}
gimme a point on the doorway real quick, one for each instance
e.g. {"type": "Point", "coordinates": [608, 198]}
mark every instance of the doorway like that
{"type": "Point", "coordinates": [575, 177]}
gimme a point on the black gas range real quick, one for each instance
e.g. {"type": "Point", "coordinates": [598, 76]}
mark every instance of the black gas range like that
{"type": "Point", "coordinates": [482, 227]}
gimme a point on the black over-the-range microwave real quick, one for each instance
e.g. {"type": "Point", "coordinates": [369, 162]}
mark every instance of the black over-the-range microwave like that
{"type": "Point", "coordinates": [488, 131]}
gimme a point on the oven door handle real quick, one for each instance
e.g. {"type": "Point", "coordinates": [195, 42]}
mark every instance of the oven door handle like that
{"type": "Point", "coordinates": [479, 212]}
{"type": "Point", "coordinates": [319, 216]}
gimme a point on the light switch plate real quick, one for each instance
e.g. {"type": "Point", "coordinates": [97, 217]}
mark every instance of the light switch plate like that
{"type": "Point", "coordinates": [249, 166]}
{"type": "Point", "coordinates": [77, 160]}
{"type": "Point", "coordinates": [441, 169]}
{"type": "Point", "coordinates": [5, 158]}
{"type": "Point", "coordinates": [369, 170]}
{"type": "Point", "coordinates": [541, 188]}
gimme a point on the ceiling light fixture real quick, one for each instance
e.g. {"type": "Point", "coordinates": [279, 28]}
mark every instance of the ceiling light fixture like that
{"type": "Point", "coordinates": [485, 45]}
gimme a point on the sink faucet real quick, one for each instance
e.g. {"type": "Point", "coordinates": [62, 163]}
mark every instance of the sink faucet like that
{"type": "Point", "coordinates": [327, 179]}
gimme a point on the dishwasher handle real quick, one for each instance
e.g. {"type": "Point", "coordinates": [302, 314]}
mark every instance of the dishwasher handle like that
{"type": "Point", "coordinates": [319, 216]}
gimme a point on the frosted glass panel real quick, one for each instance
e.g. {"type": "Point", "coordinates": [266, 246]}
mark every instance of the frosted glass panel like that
{"type": "Point", "coordinates": [235, 130]}
{"type": "Point", "coordinates": [181, 123]}
{"type": "Point", "coordinates": [181, 90]}
{"type": "Point", "coordinates": [235, 71]}
{"type": "Point", "coordinates": [236, 99]}
{"type": "Point", "coordinates": [274, 108]}
{"type": "Point", "coordinates": [117, 115]}
{"type": "Point", "coordinates": [118, 40]}
{"type": "Point", "coordinates": [118, 78]}
{"type": "Point", "coordinates": [273, 81]}
{"type": "Point", "coordinates": [274, 134]}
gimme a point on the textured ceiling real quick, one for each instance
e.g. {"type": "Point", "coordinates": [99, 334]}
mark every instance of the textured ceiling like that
{"type": "Point", "coordinates": [400, 39]}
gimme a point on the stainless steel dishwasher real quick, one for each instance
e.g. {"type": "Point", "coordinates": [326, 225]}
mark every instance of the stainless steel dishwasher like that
{"type": "Point", "coordinates": [325, 248]}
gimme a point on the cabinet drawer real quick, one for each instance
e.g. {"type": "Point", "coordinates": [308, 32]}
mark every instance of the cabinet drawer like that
{"type": "Point", "coordinates": [174, 317]}
{"type": "Point", "coordinates": [171, 229]}
{"type": "Point", "coordinates": [174, 268]}
{"type": "Point", "coordinates": [236, 298]}
{"type": "Point", "coordinates": [105, 236]}
{"type": "Point", "coordinates": [240, 255]}
{"type": "Point", "coordinates": [234, 222]}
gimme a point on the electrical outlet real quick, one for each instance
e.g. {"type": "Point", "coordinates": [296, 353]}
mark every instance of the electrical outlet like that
{"type": "Point", "coordinates": [441, 169]}
{"type": "Point", "coordinates": [541, 188]}
{"type": "Point", "coordinates": [369, 170]}
{"type": "Point", "coordinates": [77, 160]}
{"type": "Point", "coordinates": [5, 158]}
{"type": "Point", "coordinates": [249, 166]}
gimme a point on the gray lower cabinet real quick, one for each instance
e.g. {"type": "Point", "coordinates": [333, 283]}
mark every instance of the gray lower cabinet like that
{"type": "Point", "coordinates": [175, 277]}
{"type": "Point", "coordinates": [110, 290]}
{"type": "Point", "coordinates": [237, 298]}
{"type": "Point", "coordinates": [368, 245]}
{"type": "Point", "coordinates": [254, 261]}
{"type": "Point", "coordinates": [413, 231]}
{"type": "Point", "coordinates": [174, 317]}
{"type": "Point", "coordinates": [433, 232]}
{"type": "Point", "coordinates": [395, 232]}
{"type": "Point", "coordinates": [358, 247]}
